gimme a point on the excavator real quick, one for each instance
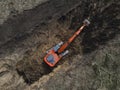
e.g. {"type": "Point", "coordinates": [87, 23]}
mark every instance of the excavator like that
{"type": "Point", "coordinates": [55, 54]}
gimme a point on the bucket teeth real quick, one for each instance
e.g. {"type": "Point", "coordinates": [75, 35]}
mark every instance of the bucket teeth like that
{"type": "Point", "coordinates": [86, 22]}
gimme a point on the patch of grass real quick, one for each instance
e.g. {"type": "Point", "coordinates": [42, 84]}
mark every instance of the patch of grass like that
{"type": "Point", "coordinates": [106, 73]}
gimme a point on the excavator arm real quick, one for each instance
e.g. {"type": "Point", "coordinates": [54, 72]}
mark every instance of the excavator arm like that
{"type": "Point", "coordinates": [65, 45]}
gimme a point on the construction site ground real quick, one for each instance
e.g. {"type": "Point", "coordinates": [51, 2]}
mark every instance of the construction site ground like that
{"type": "Point", "coordinates": [93, 62]}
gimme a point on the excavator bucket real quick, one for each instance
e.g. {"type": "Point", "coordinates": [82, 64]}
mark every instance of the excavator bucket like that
{"type": "Point", "coordinates": [86, 22]}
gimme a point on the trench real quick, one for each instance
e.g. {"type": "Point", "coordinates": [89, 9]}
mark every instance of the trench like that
{"type": "Point", "coordinates": [101, 30]}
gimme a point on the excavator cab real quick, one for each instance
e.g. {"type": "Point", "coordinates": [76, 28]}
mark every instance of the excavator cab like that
{"type": "Point", "coordinates": [53, 56]}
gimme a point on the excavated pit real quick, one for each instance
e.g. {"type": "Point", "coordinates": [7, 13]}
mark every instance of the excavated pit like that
{"type": "Point", "coordinates": [32, 66]}
{"type": "Point", "coordinates": [103, 27]}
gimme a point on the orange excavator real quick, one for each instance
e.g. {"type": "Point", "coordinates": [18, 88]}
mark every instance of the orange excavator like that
{"type": "Point", "coordinates": [58, 51]}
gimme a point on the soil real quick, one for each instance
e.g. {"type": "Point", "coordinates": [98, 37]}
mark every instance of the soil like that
{"type": "Point", "coordinates": [93, 61]}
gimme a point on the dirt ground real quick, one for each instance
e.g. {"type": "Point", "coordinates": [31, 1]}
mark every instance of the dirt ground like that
{"type": "Point", "coordinates": [94, 58]}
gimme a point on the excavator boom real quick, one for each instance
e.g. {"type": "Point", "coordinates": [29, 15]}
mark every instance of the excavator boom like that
{"type": "Point", "coordinates": [65, 45]}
